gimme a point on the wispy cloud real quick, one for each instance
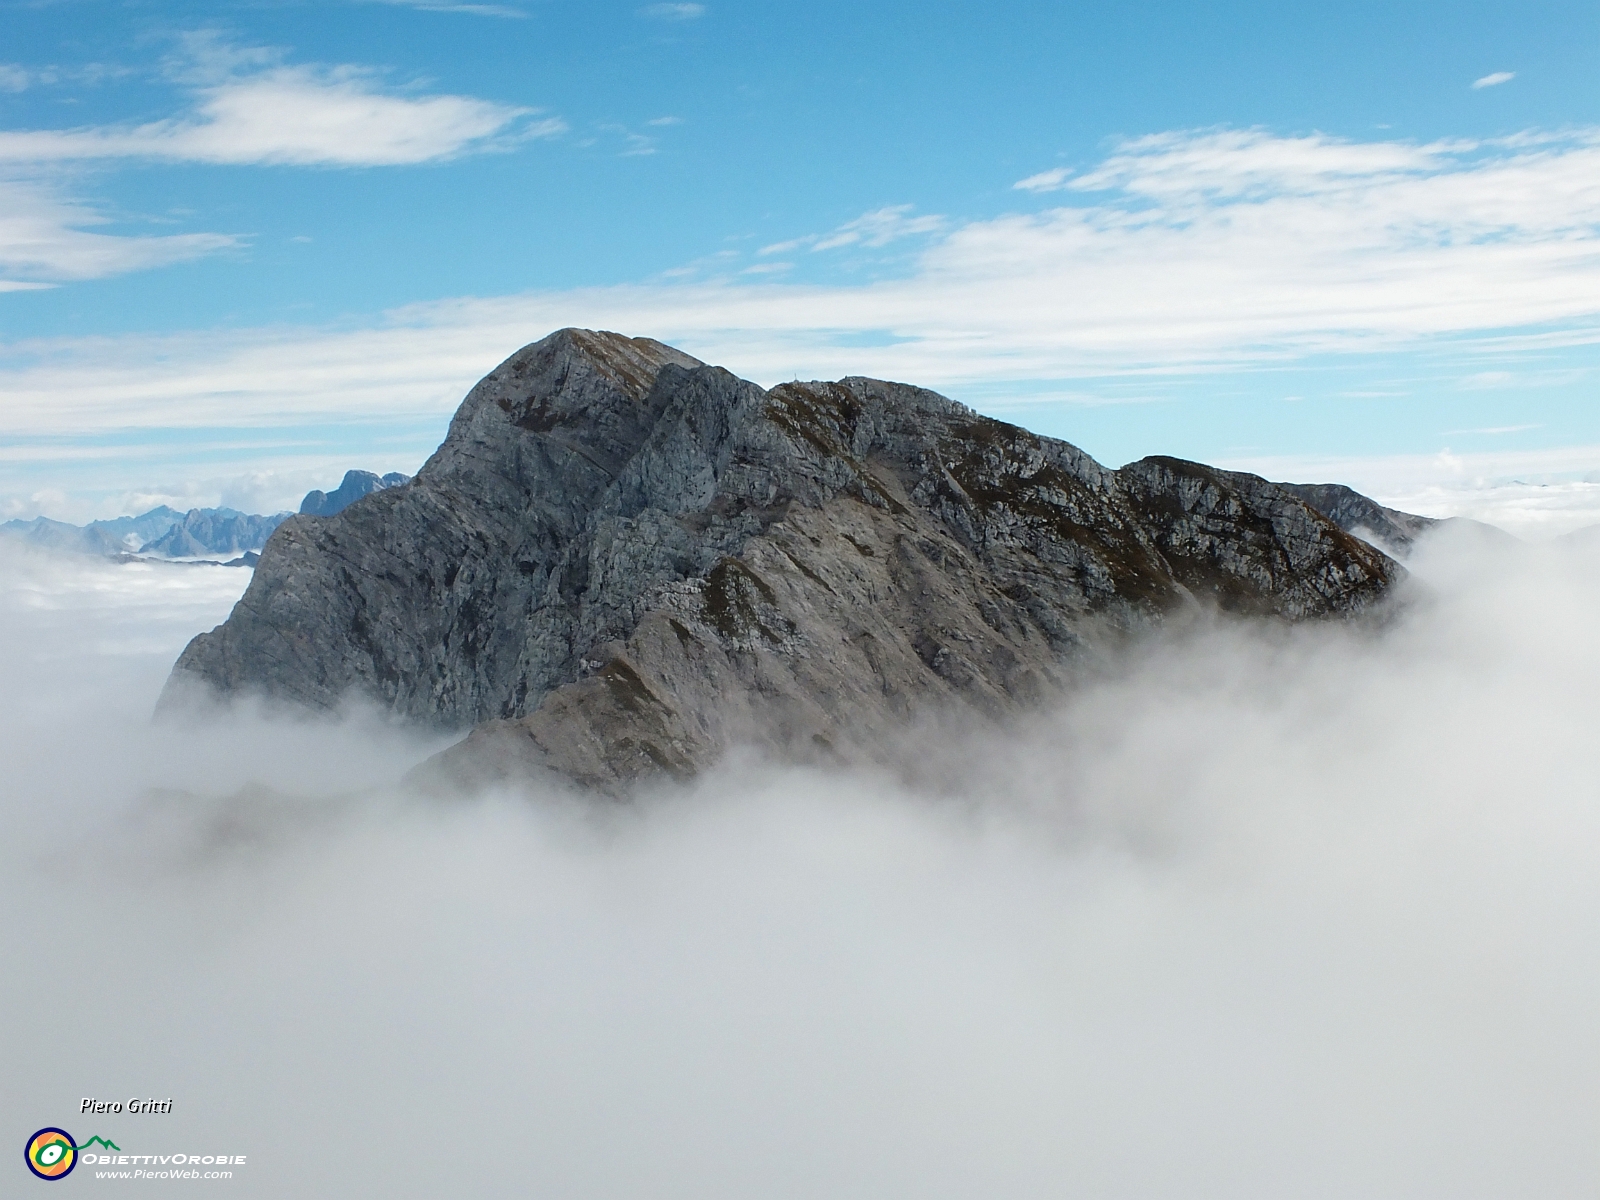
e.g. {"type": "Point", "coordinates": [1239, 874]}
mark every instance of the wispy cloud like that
{"type": "Point", "coordinates": [673, 12]}
{"type": "Point", "coordinates": [1494, 80]}
{"type": "Point", "coordinates": [45, 239]}
{"type": "Point", "coordinates": [665, 121]}
{"type": "Point", "coordinates": [876, 228]}
{"type": "Point", "coordinates": [1189, 167]}
{"type": "Point", "coordinates": [1052, 180]}
{"type": "Point", "coordinates": [879, 228]}
{"type": "Point", "coordinates": [475, 10]}
{"type": "Point", "coordinates": [17, 78]}
{"type": "Point", "coordinates": [248, 107]}
{"type": "Point", "coordinates": [1526, 379]}
{"type": "Point", "coordinates": [634, 144]}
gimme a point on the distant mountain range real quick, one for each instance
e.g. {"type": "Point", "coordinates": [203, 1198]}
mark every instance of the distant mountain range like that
{"type": "Point", "coordinates": [162, 533]}
{"type": "Point", "coordinates": [214, 533]}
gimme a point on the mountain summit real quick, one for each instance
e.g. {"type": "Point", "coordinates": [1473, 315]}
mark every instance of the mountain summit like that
{"type": "Point", "coordinates": [622, 561]}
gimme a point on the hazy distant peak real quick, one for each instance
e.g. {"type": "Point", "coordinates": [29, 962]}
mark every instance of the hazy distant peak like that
{"type": "Point", "coordinates": [355, 485]}
{"type": "Point", "coordinates": [162, 531]}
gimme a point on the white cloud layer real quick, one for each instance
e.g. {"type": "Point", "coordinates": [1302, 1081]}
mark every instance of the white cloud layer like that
{"type": "Point", "coordinates": [249, 109]}
{"type": "Point", "coordinates": [1494, 80]}
{"type": "Point", "coordinates": [1186, 252]}
{"type": "Point", "coordinates": [1261, 914]}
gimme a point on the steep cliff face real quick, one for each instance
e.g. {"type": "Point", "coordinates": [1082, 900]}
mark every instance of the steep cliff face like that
{"type": "Point", "coordinates": [621, 561]}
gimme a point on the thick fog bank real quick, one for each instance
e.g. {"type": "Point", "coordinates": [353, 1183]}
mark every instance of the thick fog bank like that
{"type": "Point", "coordinates": [1268, 913]}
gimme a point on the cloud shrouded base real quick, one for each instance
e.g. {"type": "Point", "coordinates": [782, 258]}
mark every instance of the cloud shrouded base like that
{"type": "Point", "coordinates": [1266, 913]}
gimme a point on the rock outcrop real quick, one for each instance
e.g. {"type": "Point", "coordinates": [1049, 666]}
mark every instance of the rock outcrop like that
{"type": "Point", "coordinates": [622, 561]}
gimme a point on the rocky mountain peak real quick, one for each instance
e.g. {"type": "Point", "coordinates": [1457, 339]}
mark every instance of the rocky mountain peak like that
{"type": "Point", "coordinates": [622, 561]}
{"type": "Point", "coordinates": [592, 382]}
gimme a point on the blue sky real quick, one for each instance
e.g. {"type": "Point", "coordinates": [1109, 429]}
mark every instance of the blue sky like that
{"type": "Point", "coordinates": [245, 246]}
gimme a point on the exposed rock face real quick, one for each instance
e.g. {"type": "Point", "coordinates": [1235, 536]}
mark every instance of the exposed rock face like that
{"type": "Point", "coordinates": [621, 561]}
{"type": "Point", "coordinates": [355, 485]}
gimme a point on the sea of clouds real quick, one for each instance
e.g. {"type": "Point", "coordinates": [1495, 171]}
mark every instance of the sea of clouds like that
{"type": "Point", "coordinates": [1260, 913]}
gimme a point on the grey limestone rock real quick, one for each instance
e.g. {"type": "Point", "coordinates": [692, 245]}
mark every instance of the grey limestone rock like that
{"type": "Point", "coordinates": [622, 561]}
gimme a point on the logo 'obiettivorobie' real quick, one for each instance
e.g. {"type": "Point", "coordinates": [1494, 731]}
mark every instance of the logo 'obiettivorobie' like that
{"type": "Point", "coordinates": [51, 1153]}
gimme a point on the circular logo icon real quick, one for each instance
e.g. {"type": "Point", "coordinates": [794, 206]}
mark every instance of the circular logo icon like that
{"type": "Point", "coordinates": [51, 1154]}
